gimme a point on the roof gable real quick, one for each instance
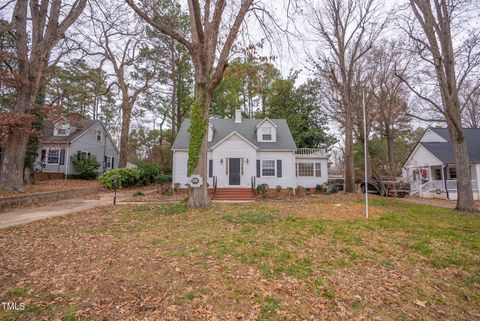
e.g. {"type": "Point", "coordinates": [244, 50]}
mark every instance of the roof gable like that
{"type": "Point", "coordinates": [247, 129]}
{"type": "Point", "coordinates": [234, 133]}
{"type": "Point", "coordinates": [266, 119]}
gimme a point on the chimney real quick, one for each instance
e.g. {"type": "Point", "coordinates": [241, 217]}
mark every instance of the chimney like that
{"type": "Point", "coordinates": [238, 116]}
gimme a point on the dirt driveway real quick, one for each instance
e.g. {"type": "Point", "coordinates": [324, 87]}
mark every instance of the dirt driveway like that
{"type": "Point", "coordinates": [64, 207]}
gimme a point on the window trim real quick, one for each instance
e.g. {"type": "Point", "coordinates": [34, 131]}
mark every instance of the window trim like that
{"type": "Point", "coordinates": [108, 158]}
{"type": "Point", "coordinates": [48, 156]}
{"type": "Point", "coordinates": [274, 168]}
{"type": "Point", "coordinates": [314, 174]}
{"type": "Point", "coordinates": [101, 136]}
{"type": "Point", "coordinates": [270, 133]}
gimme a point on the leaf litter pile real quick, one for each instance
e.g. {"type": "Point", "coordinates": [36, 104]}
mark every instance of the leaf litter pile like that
{"type": "Point", "coordinates": [310, 259]}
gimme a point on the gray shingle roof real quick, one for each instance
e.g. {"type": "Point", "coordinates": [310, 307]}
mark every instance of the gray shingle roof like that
{"type": "Point", "coordinates": [48, 126]}
{"type": "Point", "coordinates": [224, 127]}
{"type": "Point", "coordinates": [444, 151]}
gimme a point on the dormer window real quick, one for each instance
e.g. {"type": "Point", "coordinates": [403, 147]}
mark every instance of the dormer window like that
{"type": "Point", "coordinates": [61, 129]}
{"type": "Point", "coordinates": [267, 133]}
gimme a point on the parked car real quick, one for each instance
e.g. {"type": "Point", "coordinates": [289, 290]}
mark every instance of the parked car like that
{"type": "Point", "coordinates": [386, 187]}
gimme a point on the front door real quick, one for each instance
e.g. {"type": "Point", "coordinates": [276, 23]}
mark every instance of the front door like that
{"type": "Point", "coordinates": [234, 171]}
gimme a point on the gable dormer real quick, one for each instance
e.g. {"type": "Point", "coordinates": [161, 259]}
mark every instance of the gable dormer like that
{"type": "Point", "coordinates": [266, 131]}
{"type": "Point", "coordinates": [211, 132]}
{"type": "Point", "coordinates": [62, 128]}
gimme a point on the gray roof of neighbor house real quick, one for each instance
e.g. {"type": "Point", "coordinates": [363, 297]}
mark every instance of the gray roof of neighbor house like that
{"type": "Point", "coordinates": [444, 152]}
{"type": "Point", "coordinates": [247, 128]}
{"type": "Point", "coordinates": [82, 125]}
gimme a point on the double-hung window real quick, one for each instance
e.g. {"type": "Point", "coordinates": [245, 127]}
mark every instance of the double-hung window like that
{"type": "Point", "coordinates": [99, 135]}
{"type": "Point", "coordinates": [267, 133]}
{"type": "Point", "coordinates": [53, 156]}
{"type": "Point", "coordinates": [268, 167]}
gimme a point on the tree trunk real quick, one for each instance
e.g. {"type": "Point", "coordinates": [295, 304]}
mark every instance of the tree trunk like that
{"type": "Point", "coordinates": [11, 176]}
{"type": "Point", "coordinates": [465, 200]}
{"type": "Point", "coordinates": [349, 171]}
{"type": "Point", "coordinates": [198, 196]}
{"type": "Point", "coordinates": [126, 114]}
{"type": "Point", "coordinates": [391, 161]}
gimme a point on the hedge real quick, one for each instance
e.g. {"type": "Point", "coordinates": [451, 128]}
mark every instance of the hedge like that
{"type": "Point", "coordinates": [144, 174]}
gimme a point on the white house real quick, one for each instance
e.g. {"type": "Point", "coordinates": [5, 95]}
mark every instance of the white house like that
{"type": "Point", "coordinates": [243, 153]}
{"type": "Point", "coordinates": [430, 168]}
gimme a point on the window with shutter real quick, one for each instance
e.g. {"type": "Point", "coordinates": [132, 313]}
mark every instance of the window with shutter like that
{"type": "Point", "coordinates": [210, 168]}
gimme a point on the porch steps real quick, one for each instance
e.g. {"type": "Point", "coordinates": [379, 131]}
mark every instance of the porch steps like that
{"type": "Point", "coordinates": [233, 194]}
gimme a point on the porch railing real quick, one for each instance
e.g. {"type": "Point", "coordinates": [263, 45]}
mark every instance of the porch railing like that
{"type": "Point", "coordinates": [433, 185]}
{"type": "Point", "coordinates": [310, 152]}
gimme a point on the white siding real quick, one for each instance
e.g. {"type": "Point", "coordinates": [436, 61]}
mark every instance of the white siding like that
{"type": "Point", "coordinates": [422, 157]}
{"type": "Point", "coordinates": [431, 137]}
{"type": "Point", "coordinates": [288, 169]}
{"type": "Point", "coordinates": [234, 147]}
{"type": "Point", "coordinates": [310, 182]}
{"type": "Point", "coordinates": [179, 169]}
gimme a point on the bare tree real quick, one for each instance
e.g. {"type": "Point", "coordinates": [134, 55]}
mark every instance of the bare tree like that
{"type": "Point", "coordinates": [117, 38]}
{"type": "Point", "coordinates": [391, 94]}
{"type": "Point", "coordinates": [206, 39]}
{"type": "Point", "coordinates": [470, 99]}
{"type": "Point", "coordinates": [430, 28]}
{"type": "Point", "coordinates": [37, 27]}
{"type": "Point", "coordinates": [348, 29]}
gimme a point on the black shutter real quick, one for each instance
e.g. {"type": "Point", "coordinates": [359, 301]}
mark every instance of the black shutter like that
{"type": "Point", "coordinates": [279, 168]}
{"type": "Point", "coordinates": [104, 163]}
{"type": "Point", "coordinates": [62, 157]}
{"type": "Point", "coordinates": [210, 168]}
{"type": "Point", "coordinates": [258, 168]}
{"type": "Point", "coordinates": [112, 162]}
{"type": "Point", "coordinates": [43, 155]}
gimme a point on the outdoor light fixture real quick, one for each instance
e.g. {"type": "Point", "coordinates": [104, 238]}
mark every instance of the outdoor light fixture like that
{"type": "Point", "coordinates": [247, 160]}
{"type": "Point", "coordinates": [221, 160]}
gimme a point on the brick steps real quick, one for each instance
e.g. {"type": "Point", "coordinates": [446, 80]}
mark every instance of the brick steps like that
{"type": "Point", "coordinates": [234, 194]}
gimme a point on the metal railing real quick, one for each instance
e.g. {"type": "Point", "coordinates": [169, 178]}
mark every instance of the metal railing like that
{"type": "Point", "coordinates": [214, 184]}
{"type": "Point", "coordinates": [310, 152]}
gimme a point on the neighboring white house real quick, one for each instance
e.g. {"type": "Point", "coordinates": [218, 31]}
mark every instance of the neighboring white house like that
{"type": "Point", "coordinates": [430, 168]}
{"type": "Point", "coordinates": [63, 138]}
{"type": "Point", "coordinates": [246, 152]}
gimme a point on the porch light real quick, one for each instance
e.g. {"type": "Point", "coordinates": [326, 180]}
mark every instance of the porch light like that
{"type": "Point", "coordinates": [246, 160]}
{"type": "Point", "coordinates": [221, 160]}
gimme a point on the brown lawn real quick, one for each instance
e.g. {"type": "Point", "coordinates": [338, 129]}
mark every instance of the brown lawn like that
{"type": "Point", "coordinates": [310, 259]}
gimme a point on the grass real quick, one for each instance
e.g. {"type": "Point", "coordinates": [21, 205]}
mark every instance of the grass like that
{"type": "Point", "coordinates": [301, 259]}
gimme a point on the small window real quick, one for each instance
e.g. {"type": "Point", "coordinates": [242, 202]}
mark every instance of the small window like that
{"type": "Point", "coordinates": [62, 131]}
{"type": "Point", "coordinates": [99, 135]}
{"type": "Point", "coordinates": [266, 133]}
{"type": "Point", "coordinates": [438, 174]}
{"type": "Point", "coordinates": [453, 173]}
{"type": "Point", "coordinates": [53, 156]}
{"type": "Point", "coordinates": [268, 168]}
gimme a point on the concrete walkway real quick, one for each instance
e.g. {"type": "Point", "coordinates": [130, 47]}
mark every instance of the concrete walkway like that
{"type": "Point", "coordinates": [59, 208]}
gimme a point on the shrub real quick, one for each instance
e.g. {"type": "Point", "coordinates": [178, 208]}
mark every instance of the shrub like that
{"type": "Point", "coordinates": [290, 191]}
{"type": "Point", "coordinates": [85, 165]}
{"type": "Point", "coordinates": [139, 193]}
{"type": "Point", "coordinates": [160, 179]}
{"type": "Point", "coordinates": [318, 188]}
{"type": "Point", "coordinates": [142, 175]}
{"type": "Point", "coordinates": [278, 189]}
{"type": "Point", "coordinates": [262, 189]}
{"type": "Point", "coordinates": [169, 192]}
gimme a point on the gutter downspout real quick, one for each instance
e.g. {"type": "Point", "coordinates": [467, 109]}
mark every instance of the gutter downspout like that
{"type": "Point", "coordinates": [444, 168]}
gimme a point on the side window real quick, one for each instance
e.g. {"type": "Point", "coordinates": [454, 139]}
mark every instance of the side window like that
{"type": "Point", "coordinates": [99, 135]}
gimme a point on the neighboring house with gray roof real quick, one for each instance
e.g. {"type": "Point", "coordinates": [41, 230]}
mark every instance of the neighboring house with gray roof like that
{"type": "Point", "coordinates": [242, 152]}
{"type": "Point", "coordinates": [430, 167]}
{"type": "Point", "coordinates": [63, 138]}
